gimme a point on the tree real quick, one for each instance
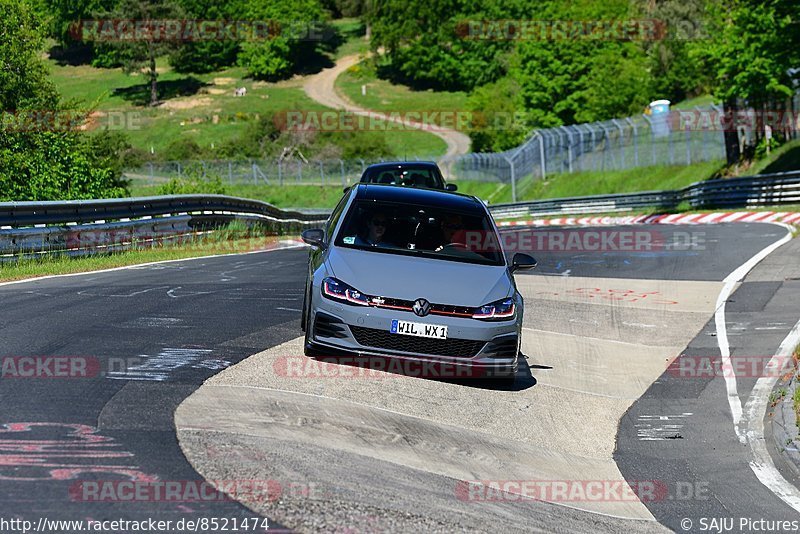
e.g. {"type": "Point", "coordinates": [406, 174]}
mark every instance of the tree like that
{"type": "Point", "coordinates": [431, 43]}
{"type": "Point", "coordinates": [140, 51]}
{"type": "Point", "coordinates": [294, 27]}
{"type": "Point", "coordinates": [753, 46]}
{"type": "Point", "coordinates": [43, 153]}
{"type": "Point", "coordinates": [208, 55]}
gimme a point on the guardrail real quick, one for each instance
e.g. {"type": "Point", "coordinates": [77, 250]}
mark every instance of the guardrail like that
{"type": "Point", "coordinates": [89, 226]}
{"type": "Point", "coordinates": [750, 191]}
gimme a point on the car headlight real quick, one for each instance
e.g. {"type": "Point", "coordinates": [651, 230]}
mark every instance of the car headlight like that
{"type": "Point", "coordinates": [496, 311]}
{"type": "Point", "coordinates": [337, 290]}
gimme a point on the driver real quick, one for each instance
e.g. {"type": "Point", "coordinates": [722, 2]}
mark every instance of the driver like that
{"type": "Point", "coordinates": [375, 234]}
{"type": "Point", "coordinates": [452, 231]}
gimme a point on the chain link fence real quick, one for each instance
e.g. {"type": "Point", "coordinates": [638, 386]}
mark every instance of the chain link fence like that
{"type": "Point", "coordinates": [617, 144]}
{"type": "Point", "coordinates": [255, 171]}
{"type": "Point", "coordinates": [613, 145]}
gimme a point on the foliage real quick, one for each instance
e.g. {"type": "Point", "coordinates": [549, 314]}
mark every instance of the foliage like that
{"type": "Point", "coordinates": [138, 54]}
{"type": "Point", "coordinates": [279, 55]}
{"type": "Point", "coordinates": [428, 44]}
{"type": "Point", "coordinates": [208, 55]}
{"type": "Point", "coordinates": [346, 8]}
{"type": "Point", "coordinates": [194, 181]}
{"type": "Point", "coordinates": [64, 14]}
{"type": "Point", "coordinates": [753, 46]}
{"type": "Point", "coordinates": [498, 122]}
{"type": "Point", "coordinates": [184, 148]}
{"type": "Point", "coordinates": [43, 154]}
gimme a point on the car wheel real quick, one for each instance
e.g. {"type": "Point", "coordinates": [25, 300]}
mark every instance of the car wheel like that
{"type": "Point", "coordinates": [309, 347]}
{"type": "Point", "coordinates": [506, 380]}
{"type": "Point", "coordinates": [304, 315]}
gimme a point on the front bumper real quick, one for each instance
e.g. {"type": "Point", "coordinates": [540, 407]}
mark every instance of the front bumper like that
{"type": "Point", "coordinates": [487, 348]}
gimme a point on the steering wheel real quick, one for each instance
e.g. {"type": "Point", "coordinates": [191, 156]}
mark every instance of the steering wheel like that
{"type": "Point", "coordinates": [455, 246]}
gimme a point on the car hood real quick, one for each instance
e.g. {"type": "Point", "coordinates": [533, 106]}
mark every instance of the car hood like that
{"type": "Point", "coordinates": [410, 278]}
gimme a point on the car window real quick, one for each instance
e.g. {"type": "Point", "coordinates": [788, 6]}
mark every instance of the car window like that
{"type": "Point", "coordinates": [413, 177]}
{"type": "Point", "coordinates": [336, 214]}
{"type": "Point", "coordinates": [420, 230]}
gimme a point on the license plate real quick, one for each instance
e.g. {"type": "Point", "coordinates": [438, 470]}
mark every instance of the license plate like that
{"type": "Point", "coordinates": [408, 328]}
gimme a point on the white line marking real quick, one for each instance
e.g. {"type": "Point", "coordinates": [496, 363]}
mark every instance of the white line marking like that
{"type": "Point", "coordinates": [729, 283]}
{"type": "Point", "coordinates": [138, 265]}
{"type": "Point", "coordinates": [753, 424]}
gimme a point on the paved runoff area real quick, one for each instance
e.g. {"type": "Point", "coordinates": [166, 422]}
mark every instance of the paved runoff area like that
{"type": "Point", "coordinates": [393, 452]}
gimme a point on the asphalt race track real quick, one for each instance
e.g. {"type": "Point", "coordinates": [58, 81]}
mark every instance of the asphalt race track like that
{"type": "Point", "coordinates": [602, 329]}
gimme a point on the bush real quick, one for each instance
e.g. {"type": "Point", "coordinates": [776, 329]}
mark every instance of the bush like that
{"type": "Point", "coordinates": [195, 181]}
{"type": "Point", "coordinates": [184, 148]}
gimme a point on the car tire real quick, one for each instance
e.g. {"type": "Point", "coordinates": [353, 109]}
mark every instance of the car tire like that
{"type": "Point", "coordinates": [310, 348]}
{"type": "Point", "coordinates": [305, 314]}
{"type": "Point", "coordinates": [506, 380]}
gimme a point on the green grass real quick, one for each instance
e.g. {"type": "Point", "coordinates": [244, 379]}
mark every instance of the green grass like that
{"type": "Point", "coordinates": [202, 107]}
{"type": "Point", "coordinates": [388, 97]}
{"type": "Point", "coordinates": [224, 241]}
{"type": "Point", "coordinates": [782, 159]}
{"type": "Point", "coordinates": [689, 103]}
{"type": "Point", "coordinates": [353, 31]}
{"type": "Point", "coordinates": [290, 196]}
{"type": "Point", "coordinates": [594, 183]}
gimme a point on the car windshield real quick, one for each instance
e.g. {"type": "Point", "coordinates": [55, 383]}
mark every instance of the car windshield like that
{"type": "Point", "coordinates": [409, 176]}
{"type": "Point", "coordinates": [421, 230]}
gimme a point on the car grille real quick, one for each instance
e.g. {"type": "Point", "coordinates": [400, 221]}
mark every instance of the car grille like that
{"type": "Point", "coordinates": [503, 347]}
{"type": "Point", "coordinates": [382, 339]}
{"type": "Point", "coordinates": [328, 326]}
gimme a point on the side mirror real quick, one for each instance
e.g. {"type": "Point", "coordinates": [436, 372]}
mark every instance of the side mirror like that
{"type": "Point", "coordinates": [346, 189]}
{"type": "Point", "coordinates": [314, 237]}
{"type": "Point", "coordinates": [521, 262]}
{"type": "Point", "coordinates": [451, 187]}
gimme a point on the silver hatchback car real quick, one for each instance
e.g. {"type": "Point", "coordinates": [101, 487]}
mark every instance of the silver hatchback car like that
{"type": "Point", "coordinates": [418, 276]}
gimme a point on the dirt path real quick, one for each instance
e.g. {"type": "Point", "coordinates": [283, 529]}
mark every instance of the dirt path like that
{"type": "Point", "coordinates": [321, 87]}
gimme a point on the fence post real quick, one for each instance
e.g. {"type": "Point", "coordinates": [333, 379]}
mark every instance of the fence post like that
{"type": "Point", "coordinates": [280, 172]}
{"type": "Point", "coordinates": [299, 171]}
{"type": "Point", "coordinates": [688, 146]}
{"type": "Point", "coordinates": [581, 146]}
{"type": "Point", "coordinates": [541, 156]}
{"type": "Point", "coordinates": [151, 173]}
{"type": "Point", "coordinates": [569, 148]}
{"type": "Point", "coordinates": [179, 168]}
{"type": "Point", "coordinates": [635, 134]}
{"type": "Point", "coordinates": [513, 179]}
{"type": "Point", "coordinates": [230, 172]}
{"type": "Point", "coordinates": [322, 173]}
{"type": "Point", "coordinates": [255, 177]}
{"type": "Point", "coordinates": [621, 144]}
{"type": "Point", "coordinates": [341, 166]}
{"type": "Point", "coordinates": [606, 144]}
{"type": "Point", "coordinates": [652, 138]}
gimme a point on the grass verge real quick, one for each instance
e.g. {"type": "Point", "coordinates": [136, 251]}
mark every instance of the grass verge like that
{"type": "Point", "coordinates": [235, 238]}
{"type": "Point", "coordinates": [382, 95]}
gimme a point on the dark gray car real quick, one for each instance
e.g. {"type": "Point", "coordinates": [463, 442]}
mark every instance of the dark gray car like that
{"type": "Point", "coordinates": [416, 275]}
{"type": "Point", "coordinates": [425, 174]}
